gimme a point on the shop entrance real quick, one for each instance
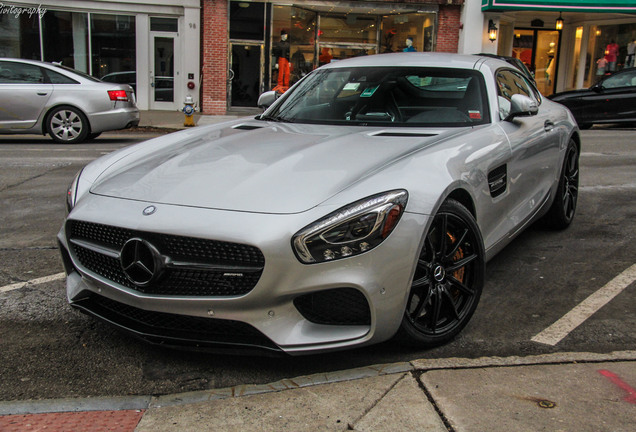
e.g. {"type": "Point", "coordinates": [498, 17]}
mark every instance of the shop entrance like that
{"type": "Point", "coordinates": [539, 50]}
{"type": "Point", "coordinates": [246, 73]}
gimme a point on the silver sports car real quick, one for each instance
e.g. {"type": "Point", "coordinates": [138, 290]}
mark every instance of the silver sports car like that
{"type": "Point", "coordinates": [361, 205]}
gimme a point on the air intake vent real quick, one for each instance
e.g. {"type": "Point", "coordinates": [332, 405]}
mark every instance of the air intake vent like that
{"type": "Point", "coordinates": [498, 181]}
{"type": "Point", "coordinates": [404, 134]}
{"type": "Point", "coordinates": [247, 127]}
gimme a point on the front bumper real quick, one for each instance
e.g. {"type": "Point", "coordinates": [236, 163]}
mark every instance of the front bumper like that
{"type": "Point", "coordinates": [275, 315]}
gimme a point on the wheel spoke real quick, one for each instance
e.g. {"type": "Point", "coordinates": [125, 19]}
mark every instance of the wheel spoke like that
{"type": "Point", "coordinates": [421, 305]}
{"type": "Point", "coordinates": [437, 308]}
{"type": "Point", "coordinates": [461, 263]}
{"type": "Point", "coordinates": [461, 287]}
{"type": "Point", "coordinates": [457, 244]}
{"type": "Point", "coordinates": [449, 297]}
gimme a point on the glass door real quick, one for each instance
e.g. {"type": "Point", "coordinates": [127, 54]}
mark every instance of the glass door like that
{"type": "Point", "coordinates": [246, 74]}
{"type": "Point", "coordinates": [538, 50]}
{"type": "Point", "coordinates": [162, 73]}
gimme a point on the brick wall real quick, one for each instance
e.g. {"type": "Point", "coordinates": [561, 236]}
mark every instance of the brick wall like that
{"type": "Point", "coordinates": [214, 61]}
{"type": "Point", "coordinates": [448, 30]}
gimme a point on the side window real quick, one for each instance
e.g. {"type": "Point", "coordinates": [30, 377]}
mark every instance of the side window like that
{"type": "Point", "coordinates": [627, 79]}
{"type": "Point", "coordinates": [510, 83]}
{"type": "Point", "coordinates": [20, 73]}
{"type": "Point", "coordinates": [58, 78]}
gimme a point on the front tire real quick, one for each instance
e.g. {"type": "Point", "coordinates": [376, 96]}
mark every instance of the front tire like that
{"type": "Point", "coordinates": [67, 125]}
{"type": "Point", "coordinates": [448, 279]}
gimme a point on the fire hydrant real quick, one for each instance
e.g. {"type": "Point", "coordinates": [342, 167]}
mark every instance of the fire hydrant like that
{"type": "Point", "coordinates": [189, 107]}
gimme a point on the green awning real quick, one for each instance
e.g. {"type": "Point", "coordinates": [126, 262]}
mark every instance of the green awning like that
{"type": "Point", "coordinates": [615, 6]}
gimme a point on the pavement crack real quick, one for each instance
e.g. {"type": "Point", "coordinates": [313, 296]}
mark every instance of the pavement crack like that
{"type": "Point", "coordinates": [35, 177]}
{"type": "Point", "coordinates": [417, 375]}
{"type": "Point", "coordinates": [377, 401]}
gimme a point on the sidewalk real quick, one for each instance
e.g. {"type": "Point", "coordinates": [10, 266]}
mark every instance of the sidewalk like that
{"type": "Point", "coordinates": [175, 119]}
{"type": "Point", "coordinates": [555, 392]}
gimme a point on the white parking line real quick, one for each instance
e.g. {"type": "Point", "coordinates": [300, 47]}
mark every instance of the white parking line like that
{"type": "Point", "coordinates": [37, 281]}
{"type": "Point", "coordinates": [560, 329]}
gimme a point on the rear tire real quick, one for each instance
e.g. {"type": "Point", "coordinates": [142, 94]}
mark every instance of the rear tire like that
{"type": "Point", "coordinates": [448, 279]}
{"type": "Point", "coordinates": [563, 208]}
{"type": "Point", "coordinates": [67, 125]}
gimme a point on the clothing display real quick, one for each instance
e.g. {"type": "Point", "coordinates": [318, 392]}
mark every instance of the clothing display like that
{"type": "Point", "coordinates": [281, 53]}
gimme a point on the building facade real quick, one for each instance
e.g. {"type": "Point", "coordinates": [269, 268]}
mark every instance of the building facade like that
{"type": "Point", "coordinates": [252, 46]}
{"type": "Point", "coordinates": [568, 44]}
{"type": "Point", "coordinates": [153, 45]}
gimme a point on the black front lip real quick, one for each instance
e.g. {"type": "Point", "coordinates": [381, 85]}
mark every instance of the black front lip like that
{"type": "Point", "coordinates": [149, 327]}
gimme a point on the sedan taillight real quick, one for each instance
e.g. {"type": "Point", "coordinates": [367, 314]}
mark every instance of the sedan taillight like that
{"type": "Point", "coordinates": [118, 95]}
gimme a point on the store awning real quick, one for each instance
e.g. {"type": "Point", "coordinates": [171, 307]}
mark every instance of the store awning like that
{"type": "Point", "coordinates": [614, 6]}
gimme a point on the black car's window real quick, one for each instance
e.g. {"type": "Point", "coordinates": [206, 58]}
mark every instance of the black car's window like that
{"type": "Point", "coordinates": [625, 79]}
{"type": "Point", "coordinates": [20, 73]}
{"type": "Point", "coordinates": [57, 78]}
{"type": "Point", "coordinates": [510, 83]}
{"type": "Point", "coordinates": [390, 96]}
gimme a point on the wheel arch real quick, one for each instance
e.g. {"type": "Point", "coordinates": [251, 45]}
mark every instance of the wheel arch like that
{"type": "Point", "coordinates": [49, 110]}
{"type": "Point", "coordinates": [464, 198]}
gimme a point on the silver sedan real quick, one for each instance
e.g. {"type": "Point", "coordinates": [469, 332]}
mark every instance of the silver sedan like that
{"type": "Point", "coordinates": [40, 98]}
{"type": "Point", "coordinates": [362, 205]}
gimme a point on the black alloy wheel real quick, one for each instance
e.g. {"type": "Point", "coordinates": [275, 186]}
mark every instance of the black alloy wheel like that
{"type": "Point", "coordinates": [448, 279]}
{"type": "Point", "coordinates": [563, 208]}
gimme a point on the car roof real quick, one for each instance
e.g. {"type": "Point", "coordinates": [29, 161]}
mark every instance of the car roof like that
{"type": "Point", "coordinates": [425, 59]}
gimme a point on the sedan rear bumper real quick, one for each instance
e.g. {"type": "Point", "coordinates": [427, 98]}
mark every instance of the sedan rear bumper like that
{"type": "Point", "coordinates": [121, 118]}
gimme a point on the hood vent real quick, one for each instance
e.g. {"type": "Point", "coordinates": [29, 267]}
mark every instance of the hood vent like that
{"type": "Point", "coordinates": [404, 134]}
{"type": "Point", "coordinates": [247, 127]}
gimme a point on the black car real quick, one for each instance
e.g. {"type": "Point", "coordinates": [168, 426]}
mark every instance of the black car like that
{"type": "Point", "coordinates": [610, 100]}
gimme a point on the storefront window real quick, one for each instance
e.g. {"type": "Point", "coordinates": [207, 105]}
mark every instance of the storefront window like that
{"type": "Point", "coordinates": [65, 39]}
{"type": "Point", "coordinates": [610, 48]}
{"type": "Point", "coordinates": [292, 52]}
{"type": "Point", "coordinates": [397, 29]}
{"type": "Point", "coordinates": [20, 36]}
{"type": "Point", "coordinates": [113, 45]}
{"type": "Point", "coordinates": [538, 50]}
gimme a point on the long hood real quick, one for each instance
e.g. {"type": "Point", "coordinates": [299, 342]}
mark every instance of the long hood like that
{"type": "Point", "coordinates": [259, 167]}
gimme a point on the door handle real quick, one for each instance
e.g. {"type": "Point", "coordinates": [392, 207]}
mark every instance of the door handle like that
{"type": "Point", "coordinates": [548, 125]}
{"type": "Point", "coordinates": [42, 93]}
{"type": "Point", "coordinates": [230, 75]}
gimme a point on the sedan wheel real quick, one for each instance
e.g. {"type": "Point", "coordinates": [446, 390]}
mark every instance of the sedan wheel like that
{"type": "Point", "coordinates": [67, 125]}
{"type": "Point", "coordinates": [448, 278]}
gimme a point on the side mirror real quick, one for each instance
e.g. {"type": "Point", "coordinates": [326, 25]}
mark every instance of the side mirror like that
{"type": "Point", "coordinates": [522, 106]}
{"type": "Point", "coordinates": [597, 88]}
{"type": "Point", "coordinates": [266, 99]}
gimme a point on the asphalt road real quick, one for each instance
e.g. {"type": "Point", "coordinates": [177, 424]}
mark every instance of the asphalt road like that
{"type": "Point", "coordinates": [48, 350]}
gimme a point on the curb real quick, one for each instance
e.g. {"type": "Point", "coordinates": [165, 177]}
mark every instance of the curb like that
{"type": "Point", "coordinates": [148, 402]}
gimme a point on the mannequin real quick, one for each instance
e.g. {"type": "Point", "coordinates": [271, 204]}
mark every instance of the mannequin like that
{"type": "Point", "coordinates": [409, 45]}
{"type": "Point", "coordinates": [631, 50]}
{"type": "Point", "coordinates": [281, 55]}
{"type": "Point", "coordinates": [611, 54]}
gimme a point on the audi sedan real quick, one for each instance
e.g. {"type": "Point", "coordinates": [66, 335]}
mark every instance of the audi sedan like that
{"type": "Point", "coordinates": [362, 205]}
{"type": "Point", "coordinates": [71, 106]}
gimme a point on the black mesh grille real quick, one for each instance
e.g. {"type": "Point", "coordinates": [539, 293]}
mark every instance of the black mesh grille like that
{"type": "Point", "coordinates": [173, 282]}
{"type": "Point", "coordinates": [340, 306]}
{"type": "Point", "coordinates": [172, 327]}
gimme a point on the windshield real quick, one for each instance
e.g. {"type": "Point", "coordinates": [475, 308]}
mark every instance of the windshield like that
{"type": "Point", "coordinates": [386, 96]}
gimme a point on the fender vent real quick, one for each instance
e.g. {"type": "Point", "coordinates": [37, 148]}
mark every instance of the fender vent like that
{"type": "Point", "coordinates": [498, 181]}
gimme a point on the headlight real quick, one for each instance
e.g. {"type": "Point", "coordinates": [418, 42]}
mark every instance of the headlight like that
{"type": "Point", "coordinates": [351, 230]}
{"type": "Point", "coordinates": [71, 193]}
